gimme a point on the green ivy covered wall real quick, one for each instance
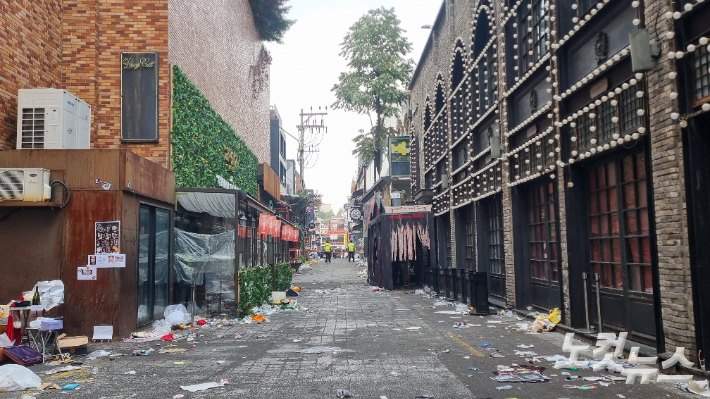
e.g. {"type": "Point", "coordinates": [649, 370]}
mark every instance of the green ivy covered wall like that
{"type": "Point", "coordinates": [204, 145]}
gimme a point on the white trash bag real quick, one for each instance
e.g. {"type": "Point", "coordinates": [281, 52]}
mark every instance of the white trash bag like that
{"type": "Point", "coordinates": [176, 314]}
{"type": "Point", "coordinates": [14, 377]}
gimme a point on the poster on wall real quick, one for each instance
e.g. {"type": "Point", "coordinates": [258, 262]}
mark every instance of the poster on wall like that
{"type": "Point", "coordinates": [86, 273]}
{"type": "Point", "coordinates": [106, 261]}
{"type": "Point", "coordinates": [107, 237]}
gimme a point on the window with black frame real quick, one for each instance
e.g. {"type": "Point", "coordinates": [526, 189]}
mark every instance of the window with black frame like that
{"type": "Point", "coordinates": [487, 74]}
{"type": "Point", "coordinates": [542, 228]}
{"type": "Point", "coordinates": [532, 33]}
{"type": "Point", "coordinates": [701, 75]}
{"type": "Point", "coordinates": [620, 242]}
{"type": "Point", "coordinates": [611, 120]}
{"type": "Point", "coordinates": [496, 255]}
{"type": "Point", "coordinates": [470, 238]}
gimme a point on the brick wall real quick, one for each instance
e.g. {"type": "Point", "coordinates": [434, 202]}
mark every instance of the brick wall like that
{"type": "Point", "coordinates": [94, 34]}
{"type": "Point", "coordinates": [216, 44]}
{"type": "Point", "coordinates": [666, 162]}
{"type": "Point", "coordinates": [30, 49]}
{"type": "Point", "coordinates": [669, 195]}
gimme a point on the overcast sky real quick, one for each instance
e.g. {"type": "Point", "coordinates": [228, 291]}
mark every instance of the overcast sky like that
{"type": "Point", "coordinates": [308, 64]}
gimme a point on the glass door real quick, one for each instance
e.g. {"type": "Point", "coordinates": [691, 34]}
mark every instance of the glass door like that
{"type": "Point", "coordinates": [153, 263]}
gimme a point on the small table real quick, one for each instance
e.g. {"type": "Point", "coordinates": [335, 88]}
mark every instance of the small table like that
{"type": "Point", "coordinates": [40, 339]}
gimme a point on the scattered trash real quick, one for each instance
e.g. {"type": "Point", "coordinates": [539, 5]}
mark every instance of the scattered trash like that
{"type": "Point", "coordinates": [320, 349]}
{"type": "Point", "coordinates": [526, 353]}
{"type": "Point", "coordinates": [200, 387]}
{"type": "Point", "coordinates": [201, 322]}
{"type": "Point", "coordinates": [525, 346]}
{"type": "Point", "coordinates": [168, 337]}
{"type": "Point", "coordinates": [70, 386]}
{"type": "Point", "coordinates": [224, 381]}
{"type": "Point", "coordinates": [48, 385]}
{"type": "Point", "coordinates": [425, 395]}
{"type": "Point", "coordinates": [98, 354]}
{"type": "Point", "coordinates": [143, 352]}
{"type": "Point", "coordinates": [496, 355]}
{"type": "Point", "coordinates": [179, 362]}
{"type": "Point", "coordinates": [238, 336]}
{"type": "Point", "coordinates": [176, 314]}
{"type": "Point", "coordinates": [520, 374]}
{"type": "Point", "coordinates": [343, 393]}
{"type": "Point", "coordinates": [130, 372]}
{"type": "Point", "coordinates": [494, 321]}
{"type": "Point", "coordinates": [556, 358]}
{"type": "Point", "coordinates": [173, 350]}
{"type": "Point", "coordinates": [62, 369]}
{"type": "Point", "coordinates": [483, 345]}
{"type": "Point", "coordinates": [413, 328]}
{"type": "Point", "coordinates": [178, 396]}
{"type": "Point", "coordinates": [259, 318]}
{"type": "Point", "coordinates": [467, 357]}
{"type": "Point", "coordinates": [14, 377]}
{"type": "Point", "coordinates": [504, 387]}
{"type": "Point", "coordinates": [546, 323]}
{"type": "Point", "coordinates": [699, 388]}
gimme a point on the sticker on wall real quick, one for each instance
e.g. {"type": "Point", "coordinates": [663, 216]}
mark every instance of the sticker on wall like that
{"type": "Point", "coordinates": [86, 273]}
{"type": "Point", "coordinates": [106, 261]}
{"type": "Point", "coordinates": [106, 186]}
{"type": "Point", "coordinates": [107, 237]}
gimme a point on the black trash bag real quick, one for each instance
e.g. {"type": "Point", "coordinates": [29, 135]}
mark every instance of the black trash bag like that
{"type": "Point", "coordinates": [291, 292]}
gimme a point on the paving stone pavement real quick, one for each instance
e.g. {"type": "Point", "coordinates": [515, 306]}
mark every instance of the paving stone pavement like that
{"type": "Point", "coordinates": [375, 355]}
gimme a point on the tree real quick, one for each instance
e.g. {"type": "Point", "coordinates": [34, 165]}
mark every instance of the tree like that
{"type": "Point", "coordinates": [325, 215]}
{"type": "Point", "coordinates": [378, 73]}
{"type": "Point", "coordinates": [270, 19]}
{"type": "Point", "coordinates": [340, 212]}
{"type": "Point", "coordinates": [300, 204]}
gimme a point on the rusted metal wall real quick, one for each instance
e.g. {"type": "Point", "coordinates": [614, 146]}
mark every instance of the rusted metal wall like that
{"type": "Point", "coordinates": [49, 243]}
{"type": "Point", "coordinates": [29, 247]}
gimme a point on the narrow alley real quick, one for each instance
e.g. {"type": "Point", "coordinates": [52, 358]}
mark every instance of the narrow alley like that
{"type": "Point", "coordinates": [374, 344]}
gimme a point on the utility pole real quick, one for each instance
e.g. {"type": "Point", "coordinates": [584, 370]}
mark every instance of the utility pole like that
{"type": "Point", "coordinates": [309, 121]}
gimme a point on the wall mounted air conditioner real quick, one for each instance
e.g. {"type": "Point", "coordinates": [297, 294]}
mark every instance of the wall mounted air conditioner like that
{"type": "Point", "coordinates": [52, 119]}
{"type": "Point", "coordinates": [24, 184]}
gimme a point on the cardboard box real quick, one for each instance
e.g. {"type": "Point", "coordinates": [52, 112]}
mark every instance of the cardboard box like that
{"type": "Point", "coordinates": [73, 342]}
{"type": "Point", "coordinates": [75, 345]}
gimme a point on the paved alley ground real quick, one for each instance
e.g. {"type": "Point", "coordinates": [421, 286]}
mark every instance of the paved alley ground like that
{"type": "Point", "coordinates": [365, 347]}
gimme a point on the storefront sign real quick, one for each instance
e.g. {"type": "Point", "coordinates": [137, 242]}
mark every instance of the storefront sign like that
{"type": "Point", "coordinates": [263, 224]}
{"type": "Point", "coordinates": [107, 236]}
{"type": "Point", "coordinates": [139, 96]}
{"type": "Point", "coordinates": [105, 261]}
{"type": "Point", "coordinates": [277, 229]}
{"type": "Point", "coordinates": [408, 209]}
{"type": "Point", "coordinates": [86, 273]}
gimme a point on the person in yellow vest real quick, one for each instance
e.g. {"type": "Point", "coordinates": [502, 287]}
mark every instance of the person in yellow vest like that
{"type": "Point", "coordinates": [351, 251]}
{"type": "Point", "coordinates": [327, 252]}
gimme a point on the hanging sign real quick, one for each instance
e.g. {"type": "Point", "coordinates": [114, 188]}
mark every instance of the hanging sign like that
{"type": "Point", "coordinates": [139, 96]}
{"type": "Point", "coordinates": [263, 224]}
{"type": "Point", "coordinates": [277, 227]}
{"type": "Point", "coordinates": [408, 209]}
{"type": "Point", "coordinates": [107, 236]}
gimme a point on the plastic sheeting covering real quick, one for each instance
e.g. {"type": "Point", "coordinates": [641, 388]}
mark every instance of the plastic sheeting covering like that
{"type": "Point", "coordinates": [205, 259]}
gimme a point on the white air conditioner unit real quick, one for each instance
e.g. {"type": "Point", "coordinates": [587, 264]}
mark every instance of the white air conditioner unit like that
{"type": "Point", "coordinates": [52, 119]}
{"type": "Point", "coordinates": [25, 184]}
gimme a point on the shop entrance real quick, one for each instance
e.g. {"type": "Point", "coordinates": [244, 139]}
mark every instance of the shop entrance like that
{"type": "Point", "coordinates": [153, 263]}
{"type": "Point", "coordinates": [537, 258]}
{"type": "Point", "coordinates": [620, 245]}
